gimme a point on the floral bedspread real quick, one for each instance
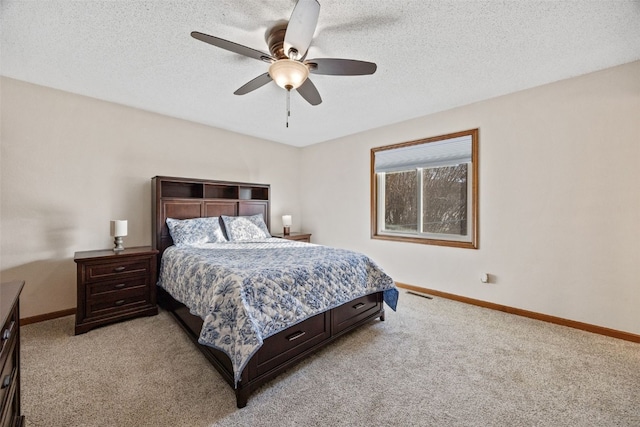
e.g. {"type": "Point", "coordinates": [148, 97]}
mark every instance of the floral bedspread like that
{"type": "Point", "coordinates": [246, 292]}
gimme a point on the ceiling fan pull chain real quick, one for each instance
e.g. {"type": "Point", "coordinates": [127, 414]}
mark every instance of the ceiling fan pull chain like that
{"type": "Point", "coordinates": [288, 104]}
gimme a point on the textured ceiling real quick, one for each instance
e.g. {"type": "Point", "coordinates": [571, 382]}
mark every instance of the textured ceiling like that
{"type": "Point", "coordinates": [431, 56]}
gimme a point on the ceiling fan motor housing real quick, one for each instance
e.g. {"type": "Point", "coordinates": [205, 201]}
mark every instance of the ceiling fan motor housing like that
{"type": "Point", "coordinates": [275, 41]}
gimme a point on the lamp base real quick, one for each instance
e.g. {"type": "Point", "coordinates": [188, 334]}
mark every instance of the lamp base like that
{"type": "Point", "coordinates": [117, 241]}
{"type": "Point", "coordinates": [286, 231]}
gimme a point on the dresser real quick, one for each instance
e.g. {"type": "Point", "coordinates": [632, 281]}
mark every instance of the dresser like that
{"type": "Point", "coordinates": [10, 354]}
{"type": "Point", "coordinates": [114, 286]}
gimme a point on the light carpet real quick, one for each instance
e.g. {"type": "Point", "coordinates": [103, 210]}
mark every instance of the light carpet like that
{"type": "Point", "coordinates": [433, 363]}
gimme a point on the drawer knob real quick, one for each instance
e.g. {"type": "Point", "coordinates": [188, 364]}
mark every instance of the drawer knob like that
{"type": "Point", "coordinates": [119, 302]}
{"type": "Point", "coordinates": [294, 336]}
{"type": "Point", "coordinates": [6, 381]}
{"type": "Point", "coordinates": [119, 269]}
{"type": "Point", "coordinates": [6, 334]}
{"type": "Point", "coordinates": [359, 305]}
{"type": "Point", "coordinates": [120, 285]}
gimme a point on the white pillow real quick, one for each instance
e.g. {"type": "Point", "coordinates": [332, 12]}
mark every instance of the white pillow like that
{"type": "Point", "coordinates": [245, 228]}
{"type": "Point", "coordinates": [187, 232]}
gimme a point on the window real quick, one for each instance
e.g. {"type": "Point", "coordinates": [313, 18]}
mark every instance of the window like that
{"type": "Point", "coordinates": [426, 191]}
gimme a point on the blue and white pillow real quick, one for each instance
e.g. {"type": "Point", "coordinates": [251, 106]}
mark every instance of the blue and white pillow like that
{"type": "Point", "coordinates": [245, 228]}
{"type": "Point", "coordinates": [195, 231]}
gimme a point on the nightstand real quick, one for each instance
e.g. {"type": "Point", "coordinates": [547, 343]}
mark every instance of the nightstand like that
{"type": "Point", "coordinates": [300, 237]}
{"type": "Point", "coordinates": [114, 286]}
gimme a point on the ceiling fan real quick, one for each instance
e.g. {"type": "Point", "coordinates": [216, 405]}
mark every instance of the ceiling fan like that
{"type": "Point", "coordinates": [288, 45]}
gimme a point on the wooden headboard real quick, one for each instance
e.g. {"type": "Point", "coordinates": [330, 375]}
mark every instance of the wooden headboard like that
{"type": "Point", "coordinates": [184, 198]}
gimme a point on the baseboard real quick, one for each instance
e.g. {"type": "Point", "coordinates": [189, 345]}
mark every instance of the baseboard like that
{"type": "Point", "coordinates": [627, 336]}
{"type": "Point", "coordinates": [47, 316]}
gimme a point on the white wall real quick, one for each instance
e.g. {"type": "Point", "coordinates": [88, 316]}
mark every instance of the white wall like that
{"type": "Point", "coordinates": [559, 200]}
{"type": "Point", "coordinates": [69, 164]}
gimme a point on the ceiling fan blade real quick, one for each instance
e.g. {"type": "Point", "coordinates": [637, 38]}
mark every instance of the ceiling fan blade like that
{"type": "Point", "coordinates": [340, 67]}
{"type": "Point", "coordinates": [233, 47]}
{"type": "Point", "coordinates": [254, 84]}
{"type": "Point", "coordinates": [309, 92]}
{"type": "Point", "coordinates": [301, 27]}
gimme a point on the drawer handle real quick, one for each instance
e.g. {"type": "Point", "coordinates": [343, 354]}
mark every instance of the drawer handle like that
{"type": "Point", "coordinates": [6, 334]}
{"type": "Point", "coordinates": [119, 302]}
{"type": "Point", "coordinates": [120, 285]}
{"type": "Point", "coordinates": [6, 380]}
{"type": "Point", "coordinates": [296, 335]}
{"type": "Point", "coordinates": [359, 305]}
{"type": "Point", "coordinates": [119, 269]}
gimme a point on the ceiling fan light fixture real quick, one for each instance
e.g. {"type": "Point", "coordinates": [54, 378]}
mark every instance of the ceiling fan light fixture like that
{"type": "Point", "coordinates": [288, 73]}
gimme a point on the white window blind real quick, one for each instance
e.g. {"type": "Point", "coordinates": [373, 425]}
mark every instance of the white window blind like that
{"type": "Point", "coordinates": [439, 153]}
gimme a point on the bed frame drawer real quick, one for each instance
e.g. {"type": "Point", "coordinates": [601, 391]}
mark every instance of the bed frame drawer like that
{"type": "Point", "coordinates": [291, 342]}
{"type": "Point", "coordinates": [355, 311]}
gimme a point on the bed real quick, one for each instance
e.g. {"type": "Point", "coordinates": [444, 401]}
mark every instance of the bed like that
{"type": "Point", "coordinates": [254, 305]}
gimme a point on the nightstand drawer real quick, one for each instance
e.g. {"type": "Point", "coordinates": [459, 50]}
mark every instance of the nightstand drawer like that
{"type": "Point", "coordinates": [106, 287]}
{"type": "Point", "coordinates": [117, 302]}
{"type": "Point", "coordinates": [113, 270]}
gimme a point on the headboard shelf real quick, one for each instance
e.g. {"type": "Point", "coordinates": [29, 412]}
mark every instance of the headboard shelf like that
{"type": "Point", "coordinates": [221, 191]}
{"type": "Point", "coordinates": [187, 190]}
{"type": "Point", "coordinates": [254, 193]}
{"type": "Point", "coordinates": [184, 198]}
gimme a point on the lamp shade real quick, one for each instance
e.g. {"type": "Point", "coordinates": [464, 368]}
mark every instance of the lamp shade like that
{"type": "Point", "coordinates": [119, 227]}
{"type": "Point", "coordinates": [288, 73]}
{"type": "Point", "coordinates": [286, 220]}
